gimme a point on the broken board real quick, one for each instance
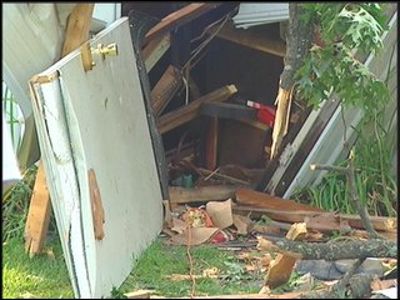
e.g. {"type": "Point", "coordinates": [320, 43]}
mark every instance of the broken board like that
{"type": "Point", "coordinates": [97, 120]}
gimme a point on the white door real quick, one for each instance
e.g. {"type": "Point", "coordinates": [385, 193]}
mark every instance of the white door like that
{"type": "Point", "coordinates": [97, 120]}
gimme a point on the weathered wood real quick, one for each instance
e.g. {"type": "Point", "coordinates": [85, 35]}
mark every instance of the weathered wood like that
{"type": "Point", "coordinates": [180, 17]}
{"type": "Point", "coordinates": [187, 113]}
{"type": "Point", "coordinates": [212, 144]}
{"type": "Point", "coordinates": [223, 176]}
{"type": "Point", "coordinates": [250, 197]}
{"type": "Point", "coordinates": [165, 89]}
{"type": "Point", "coordinates": [97, 206]}
{"type": "Point", "coordinates": [78, 27]}
{"type": "Point", "coordinates": [180, 195]}
{"type": "Point", "coordinates": [140, 294]}
{"type": "Point", "coordinates": [291, 215]}
{"type": "Point", "coordinates": [155, 49]}
{"type": "Point", "coordinates": [38, 219]}
{"type": "Point", "coordinates": [290, 295]}
{"type": "Point", "coordinates": [281, 267]}
{"type": "Point", "coordinates": [252, 40]}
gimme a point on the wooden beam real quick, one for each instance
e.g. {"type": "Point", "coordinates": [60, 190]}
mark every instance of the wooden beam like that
{"type": "Point", "coordinates": [180, 195]}
{"type": "Point", "coordinates": [253, 40]}
{"type": "Point", "coordinates": [212, 144]}
{"type": "Point", "coordinates": [165, 89]}
{"type": "Point", "coordinates": [187, 113]}
{"type": "Point", "coordinates": [290, 215]}
{"type": "Point", "coordinates": [250, 197]}
{"type": "Point", "coordinates": [78, 27]}
{"type": "Point", "coordinates": [180, 17]}
{"type": "Point", "coordinates": [37, 222]}
{"type": "Point", "coordinates": [38, 218]}
{"type": "Point", "coordinates": [155, 49]}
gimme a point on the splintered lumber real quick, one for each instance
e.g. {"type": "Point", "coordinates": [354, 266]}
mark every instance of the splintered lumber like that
{"type": "Point", "coordinates": [187, 113]}
{"type": "Point", "coordinates": [180, 17]}
{"type": "Point", "coordinates": [212, 144]}
{"type": "Point", "coordinates": [384, 224]}
{"type": "Point", "coordinates": [180, 195]}
{"type": "Point", "coordinates": [165, 89]}
{"type": "Point", "coordinates": [253, 40]}
{"type": "Point", "coordinates": [37, 222]}
{"type": "Point", "coordinates": [155, 49]}
{"type": "Point", "coordinates": [281, 267]}
{"type": "Point", "coordinates": [140, 294]}
{"type": "Point", "coordinates": [78, 27]}
{"type": "Point", "coordinates": [261, 200]}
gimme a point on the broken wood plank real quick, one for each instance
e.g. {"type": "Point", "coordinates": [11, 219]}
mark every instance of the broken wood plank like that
{"type": "Point", "coordinates": [97, 206]}
{"type": "Point", "coordinates": [383, 224]}
{"type": "Point", "coordinates": [187, 113]}
{"type": "Point", "coordinates": [281, 267]}
{"type": "Point", "coordinates": [250, 197]}
{"type": "Point", "coordinates": [180, 195]}
{"type": "Point", "coordinates": [180, 17]}
{"type": "Point", "coordinates": [211, 152]}
{"type": "Point", "coordinates": [140, 294]}
{"type": "Point", "coordinates": [154, 50]}
{"type": "Point", "coordinates": [38, 218]}
{"type": "Point", "coordinates": [252, 40]}
{"type": "Point", "coordinates": [165, 89]}
{"type": "Point", "coordinates": [78, 26]}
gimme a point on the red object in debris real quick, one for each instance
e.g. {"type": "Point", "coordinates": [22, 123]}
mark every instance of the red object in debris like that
{"type": "Point", "coordinates": [220, 237]}
{"type": "Point", "coordinates": [265, 113]}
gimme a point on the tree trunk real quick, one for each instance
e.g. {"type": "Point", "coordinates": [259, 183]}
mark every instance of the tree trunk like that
{"type": "Point", "coordinates": [298, 42]}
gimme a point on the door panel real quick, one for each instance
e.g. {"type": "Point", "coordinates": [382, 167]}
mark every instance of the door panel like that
{"type": "Point", "coordinates": [97, 120]}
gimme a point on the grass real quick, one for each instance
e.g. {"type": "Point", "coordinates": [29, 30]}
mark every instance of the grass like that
{"type": "Point", "coordinates": [160, 260]}
{"type": "Point", "coordinates": [43, 276]}
{"type": "Point", "coordinates": [375, 181]}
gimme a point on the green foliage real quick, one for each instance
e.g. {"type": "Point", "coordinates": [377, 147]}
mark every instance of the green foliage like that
{"type": "Point", "coordinates": [331, 68]}
{"type": "Point", "coordinates": [375, 182]}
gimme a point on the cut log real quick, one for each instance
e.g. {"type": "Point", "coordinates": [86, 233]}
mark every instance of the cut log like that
{"type": "Point", "coordinates": [165, 89]}
{"type": "Point", "coordinates": [154, 50]}
{"type": "Point", "coordinates": [180, 195]}
{"type": "Point", "coordinates": [250, 197]}
{"type": "Point", "coordinates": [187, 113]}
{"type": "Point", "coordinates": [252, 40]}
{"type": "Point", "coordinates": [180, 17]}
{"type": "Point", "coordinates": [281, 267]}
{"type": "Point", "coordinates": [37, 222]}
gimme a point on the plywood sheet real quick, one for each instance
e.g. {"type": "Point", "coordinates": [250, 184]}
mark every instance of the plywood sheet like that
{"type": "Point", "coordinates": [97, 120]}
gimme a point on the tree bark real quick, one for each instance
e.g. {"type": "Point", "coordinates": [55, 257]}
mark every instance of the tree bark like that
{"type": "Point", "coordinates": [339, 250]}
{"type": "Point", "coordinates": [298, 42]}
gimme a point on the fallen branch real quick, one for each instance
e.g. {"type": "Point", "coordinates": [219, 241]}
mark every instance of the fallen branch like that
{"type": "Point", "coordinates": [353, 195]}
{"type": "Point", "coordinates": [334, 251]}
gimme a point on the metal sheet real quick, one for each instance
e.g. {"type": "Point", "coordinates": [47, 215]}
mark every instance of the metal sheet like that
{"type": "Point", "coordinates": [98, 120]}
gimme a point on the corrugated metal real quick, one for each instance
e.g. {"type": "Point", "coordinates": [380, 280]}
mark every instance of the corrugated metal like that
{"type": "Point", "coordinates": [253, 14]}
